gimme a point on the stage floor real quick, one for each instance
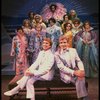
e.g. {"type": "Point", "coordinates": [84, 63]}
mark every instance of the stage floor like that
{"type": "Point", "coordinates": [93, 90]}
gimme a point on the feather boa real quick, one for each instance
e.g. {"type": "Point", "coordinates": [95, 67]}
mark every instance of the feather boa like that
{"type": "Point", "coordinates": [58, 14]}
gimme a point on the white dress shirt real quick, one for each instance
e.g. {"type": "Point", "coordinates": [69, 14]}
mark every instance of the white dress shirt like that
{"type": "Point", "coordinates": [43, 65]}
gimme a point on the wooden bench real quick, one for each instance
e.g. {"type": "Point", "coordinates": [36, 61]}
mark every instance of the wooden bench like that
{"type": "Point", "coordinates": [47, 87]}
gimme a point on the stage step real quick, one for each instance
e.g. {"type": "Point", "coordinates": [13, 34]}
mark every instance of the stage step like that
{"type": "Point", "coordinates": [8, 70]}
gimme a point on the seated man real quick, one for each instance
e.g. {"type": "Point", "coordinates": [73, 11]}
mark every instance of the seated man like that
{"type": "Point", "coordinates": [41, 69]}
{"type": "Point", "coordinates": [71, 67]}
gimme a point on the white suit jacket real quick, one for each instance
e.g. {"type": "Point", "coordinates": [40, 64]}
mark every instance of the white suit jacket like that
{"type": "Point", "coordinates": [43, 66]}
{"type": "Point", "coordinates": [71, 57]}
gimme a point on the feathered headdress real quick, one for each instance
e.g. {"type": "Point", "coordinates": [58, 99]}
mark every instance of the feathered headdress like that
{"type": "Point", "coordinates": [58, 14]}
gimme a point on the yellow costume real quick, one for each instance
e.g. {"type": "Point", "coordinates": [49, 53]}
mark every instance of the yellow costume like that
{"type": "Point", "coordinates": [69, 35]}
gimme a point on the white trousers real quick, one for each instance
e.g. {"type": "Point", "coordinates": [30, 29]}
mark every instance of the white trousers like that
{"type": "Point", "coordinates": [28, 81]}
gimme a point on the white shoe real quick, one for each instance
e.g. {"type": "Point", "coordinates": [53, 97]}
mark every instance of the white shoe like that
{"type": "Point", "coordinates": [9, 93]}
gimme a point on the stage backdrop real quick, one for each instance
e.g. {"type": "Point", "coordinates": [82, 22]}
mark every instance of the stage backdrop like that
{"type": "Point", "coordinates": [13, 13]}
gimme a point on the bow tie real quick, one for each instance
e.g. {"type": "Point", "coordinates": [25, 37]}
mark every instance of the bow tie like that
{"type": "Point", "coordinates": [66, 50]}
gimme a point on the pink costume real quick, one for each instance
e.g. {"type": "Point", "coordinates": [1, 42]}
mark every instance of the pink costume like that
{"type": "Point", "coordinates": [19, 47]}
{"type": "Point", "coordinates": [58, 14]}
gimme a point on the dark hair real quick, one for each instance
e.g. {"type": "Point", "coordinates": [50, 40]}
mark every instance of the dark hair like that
{"type": "Point", "coordinates": [65, 16]}
{"type": "Point", "coordinates": [53, 5]}
{"type": "Point", "coordinates": [66, 25]}
{"type": "Point", "coordinates": [29, 13]}
{"type": "Point", "coordinates": [52, 19]}
{"type": "Point", "coordinates": [19, 28]}
{"type": "Point", "coordinates": [76, 20]}
{"type": "Point", "coordinates": [86, 22]}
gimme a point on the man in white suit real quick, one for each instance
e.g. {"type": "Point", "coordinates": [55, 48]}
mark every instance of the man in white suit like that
{"type": "Point", "coordinates": [71, 67]}
{"type": "Point", "coordinates": [41, 69]}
